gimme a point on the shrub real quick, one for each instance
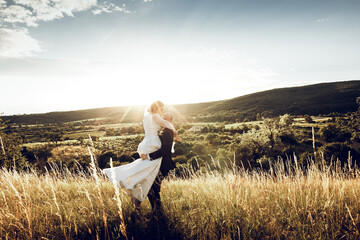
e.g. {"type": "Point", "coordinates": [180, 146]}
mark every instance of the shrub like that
{"type": "Point", "coordinates": [340, 151]}
{"type": "Point", "coordinates": [288, 139]}
{"type": "Point", "coordinates": [10, 152]}
{"type": "Point", "coordinates": [200, 148]}
{"type": "Point", "coordinates": [333, 133]}
{"type": "Point", "coordinates": [104, 159]}
{"type": "Point", "coordinates": [180, 159]}
{"type": "Point", "coordinates": [308, 118]}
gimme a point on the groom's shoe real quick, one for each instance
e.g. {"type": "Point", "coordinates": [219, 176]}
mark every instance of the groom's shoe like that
{"type": "Point", "coordinates": [157, 208]}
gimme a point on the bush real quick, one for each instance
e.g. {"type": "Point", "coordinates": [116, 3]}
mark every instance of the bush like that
{"type": "Point", "coordinates": [10, 152]}
{"type": "Point", "coordinates": [305, 157]}
{"type": "Point", "coordinates": [181, 131]}
{"type": "Point", "coordinates": [288, 139]}
{"type": "Point", "coordinates": [181, 148]}
{"type": "Point", "coordinates": [180, 159]}
{"type": "Point", "coordinates": [69, 156]}
{"type": "Point", "coordinates": [37, 157]}
{"type": "Point", "coordinates": [125, 158]}
{"type": "Point", "coordinates": [339, 151]}
{"type": "Point", "coordinates": [212, 138]}
{"type": "Point", "coordinates": [200, 148]}
{"type": "Point", "coordinates": [104, 159]}
{"type": "Point", "coordinates": [333, 133]}
{"type": "Point", "coordinates": [308, 118]}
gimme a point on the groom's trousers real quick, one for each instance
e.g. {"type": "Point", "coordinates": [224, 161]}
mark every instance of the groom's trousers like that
{"type": "Point", "coordinates": [154, 193]}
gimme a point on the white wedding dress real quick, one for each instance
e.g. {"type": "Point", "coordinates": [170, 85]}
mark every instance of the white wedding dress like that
{"type": "Point", "coordinates": [138, 176]}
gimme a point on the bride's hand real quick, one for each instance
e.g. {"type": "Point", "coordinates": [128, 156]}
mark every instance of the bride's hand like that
{"type": "Point", "coordinates": [177, 139]}
{"type": "Point", "coordinates": [143, 156]}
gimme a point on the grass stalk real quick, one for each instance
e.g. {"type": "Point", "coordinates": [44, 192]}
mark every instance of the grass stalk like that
{"type": "Point", "coordinates": [286, 202]}
{"type": "Point", "coordinates": [118, 202]}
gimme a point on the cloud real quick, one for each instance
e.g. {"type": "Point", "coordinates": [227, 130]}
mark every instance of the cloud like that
{"type": "Point", "coordinates": [17, 14]}
{"type": "Point", "coordinates": [31, 12]}
{"type": "Point", "coordinates": [16, 43]}
{"type": "Point", "coordinates": [322, 20]}
{"type": "Point", "coordinates": [15, 40]}
{"type": "Point", "coordinates": [108, 7]}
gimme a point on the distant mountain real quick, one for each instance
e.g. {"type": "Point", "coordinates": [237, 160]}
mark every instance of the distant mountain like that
{"type": "Point", "coordinates": [323, 98]}
{"type": "Point", "coordinates": [129, 113]}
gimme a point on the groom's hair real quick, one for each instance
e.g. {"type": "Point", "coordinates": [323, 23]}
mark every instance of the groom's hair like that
{"type": "Point", "coordinates": [156, 105]}
{"type": "Point", "coordinates": [167, 116]}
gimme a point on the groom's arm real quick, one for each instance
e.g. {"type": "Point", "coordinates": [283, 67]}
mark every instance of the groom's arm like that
{"type": "Point", "coordinates": [155, 155]}
{"type": "Point", "coordinates": [166, 144]}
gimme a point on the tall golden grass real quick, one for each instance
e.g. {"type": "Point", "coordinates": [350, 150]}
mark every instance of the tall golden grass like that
{"type": "Point", "coordinates": [284, 203]}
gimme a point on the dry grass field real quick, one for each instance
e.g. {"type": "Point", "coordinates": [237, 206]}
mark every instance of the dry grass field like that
{"type": "Point", "coordinates": [283, 203]}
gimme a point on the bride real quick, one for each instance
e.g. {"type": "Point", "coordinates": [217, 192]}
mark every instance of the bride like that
{"type": "Point", "coordinates": [138, 176]}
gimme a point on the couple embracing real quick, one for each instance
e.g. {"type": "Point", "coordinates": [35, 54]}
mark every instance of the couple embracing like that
{"type": "Point", "coordinates": [143, 177]}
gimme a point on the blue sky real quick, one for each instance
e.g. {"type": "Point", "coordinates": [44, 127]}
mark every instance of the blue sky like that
{"type": "Point", "coordinates": [58, 55]}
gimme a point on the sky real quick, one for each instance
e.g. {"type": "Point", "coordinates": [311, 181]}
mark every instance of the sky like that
{"type": "Point", "coordinates": [59, 55]}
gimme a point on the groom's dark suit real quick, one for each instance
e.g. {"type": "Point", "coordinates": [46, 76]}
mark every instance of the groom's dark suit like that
{"type": "Point", "coordinates": [167, 164]}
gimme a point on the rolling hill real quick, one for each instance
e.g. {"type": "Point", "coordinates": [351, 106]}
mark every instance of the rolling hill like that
{"type": "Point", "coordinates": [323, 98]}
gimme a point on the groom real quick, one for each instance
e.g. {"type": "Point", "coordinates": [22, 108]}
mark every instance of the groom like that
{"type": "Point", "coordinates": [167, 164]}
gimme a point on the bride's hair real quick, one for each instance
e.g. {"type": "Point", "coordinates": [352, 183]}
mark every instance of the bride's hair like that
{"type": "Point", "coordinates": [155, 106]}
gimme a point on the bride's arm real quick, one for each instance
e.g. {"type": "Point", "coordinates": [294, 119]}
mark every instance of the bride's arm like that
{"type": "Point", "coordinates": [163, 123]}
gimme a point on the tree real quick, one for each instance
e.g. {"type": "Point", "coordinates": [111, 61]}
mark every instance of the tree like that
{"type": "Point", "coordinates": [55, 137]}
{"type": "Point", "coordinates": [211, 138]}
{"type": "Point", "coordinates": [81, 139]}
{"type": "Point", "coordinates": [10, 156]}
{"type": "Point", "coordinates": [246, 119]}
{"type": "Point", "coordinates": [200, 148]}
{"type": "Point", "coordinates": [288, 139]}
{"type": "Point", "coordinates": [205, 129]}
{"type": "Point", "coordinates": [10, 153]}
{"type": "Point", "coordinates": [271, 127]}
{"type": "Point", "coordinates": [258, 116]}
{"type": "Point", "coordinates": [333, 133]}
{"type": "Point", "coordinates": [2, 126]}
{"type": "Point", "coordinates": [104, 159]}
{"type": "Point", "coordinates": [308, 118]}
{"type": "Point", "coordinates": [285, 120]}
{"type": "Point", "coordinates": [339, 151]}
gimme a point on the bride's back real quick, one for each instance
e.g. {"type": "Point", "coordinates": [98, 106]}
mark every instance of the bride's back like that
{"type": "Point", "coordinates": [151, 128]}
{"type": "Point", "coordinates": [151, 142]}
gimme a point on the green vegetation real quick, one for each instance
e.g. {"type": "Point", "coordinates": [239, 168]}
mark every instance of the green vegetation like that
{"type": "Point", "coordinates": [252, 145]}
{"type": "Point", "coordinates": [230, 182]}
{"type": "Point", "coordinates": [324, 98]}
